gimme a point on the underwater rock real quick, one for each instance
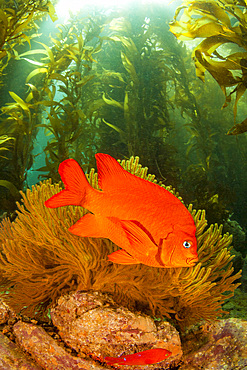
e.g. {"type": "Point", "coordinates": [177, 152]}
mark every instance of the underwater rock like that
{"type": "Point", "coordinates": [12, 358]}
{"type": "Point", "coordinates": [226, 347]}
{"type": "Point", "coordinates": [5, 312]}
{"type": "Point", "coordinates": [46, 351]}
{"type": "Point", "coordinates": [93, 324]}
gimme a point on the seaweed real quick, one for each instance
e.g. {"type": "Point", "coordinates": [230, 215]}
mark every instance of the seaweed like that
{"type": "Point", "coordinates": [222, 25]}
{"type": "Point", "coordinates": [18, 26]}
{"type": "Point", "coordinates": [65, 79]}
{"type": "Point", "coordinates": [20, 122]}
{"type": "Point", "coordinates": [97, 91]}
{"type": "Point", "coordinates": [16, 20]}
{"type": "Point", "coordinates": [137, 97]}
{"type": "Point", "coordinates": [123, 85]}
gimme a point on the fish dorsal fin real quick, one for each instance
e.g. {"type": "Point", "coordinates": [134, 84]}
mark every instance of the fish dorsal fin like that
{"type": "Point", "coordinates": [113, 178]}
{"type": "Point", "coordinates": [110, 172]}
{"type": "Point", "coordinates": [111, 175]}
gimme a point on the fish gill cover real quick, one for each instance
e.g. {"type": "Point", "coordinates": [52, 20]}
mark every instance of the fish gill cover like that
{"type": "Point", "coordinates": [41, 260]}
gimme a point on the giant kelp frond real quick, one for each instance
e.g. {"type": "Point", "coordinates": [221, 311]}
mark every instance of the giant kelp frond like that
{"type": "Point", "coordinates": [221, 24]}
{"type": "Point", "coordinates": [17, 18]}
{"type": "Point", "coordinates": [41, 259]}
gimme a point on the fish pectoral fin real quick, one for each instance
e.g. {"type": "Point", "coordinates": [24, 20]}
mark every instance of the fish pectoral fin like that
{"type": "Point", "coordinates": [88, 225]}
{"type": "Point", "coordinates": [138, 238]}
{"type": "Point", "coordinates": [122, 257]}
{"type": "Point", "coordinates": [95, 226]}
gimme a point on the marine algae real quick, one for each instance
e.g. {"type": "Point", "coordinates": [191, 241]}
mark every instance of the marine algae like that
{"type": "Point", "coordinates": [16, 20]}
{"type": "Point", "coordinates": [222, 52]}
{"type": "Point", "coordinates": [19, 23]}
{"type": "Point", "coordinates": [40, 260]}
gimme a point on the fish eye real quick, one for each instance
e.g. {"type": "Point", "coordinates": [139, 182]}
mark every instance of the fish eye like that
{"type": "Point", "coordinates": [187, 244]}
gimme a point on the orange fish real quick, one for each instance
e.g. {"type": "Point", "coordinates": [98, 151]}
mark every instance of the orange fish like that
{"type": "Point", "coordinates": [150, 356]}
{"type": "Point", "coordinates": [149, 223]}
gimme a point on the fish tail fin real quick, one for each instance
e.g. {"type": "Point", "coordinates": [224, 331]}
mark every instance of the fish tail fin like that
{"type": "Point", "coordinates": [117, 361]}
{"type": "Point", "coordinates": [76, 186]}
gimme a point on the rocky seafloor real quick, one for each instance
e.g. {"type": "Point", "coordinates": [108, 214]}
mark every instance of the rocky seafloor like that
{"type": "Point", "coordinates": [86, 327]}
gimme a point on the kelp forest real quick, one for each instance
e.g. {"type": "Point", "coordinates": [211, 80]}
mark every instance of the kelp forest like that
{"type": "Point", "coordinates": [164, 84]}
{"type": "Point", "coordinates": [123, 85]}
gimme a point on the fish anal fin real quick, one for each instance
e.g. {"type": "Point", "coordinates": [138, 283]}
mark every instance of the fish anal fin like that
{"type": "Point", "coordinates": [122, 257]}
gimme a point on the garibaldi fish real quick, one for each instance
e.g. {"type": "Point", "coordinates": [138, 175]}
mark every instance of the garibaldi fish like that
{"type": "Point", "coordinates": [148, 223]}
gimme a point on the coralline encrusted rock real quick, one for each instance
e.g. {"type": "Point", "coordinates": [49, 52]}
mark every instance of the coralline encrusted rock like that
{"type": "Point", "coordinates": [226, 347]}
{"type": "Point", "coordinates": [93, 324]}
{"type": "Point", "coordinates": [46, 351]}
{"type": "Point", "coordinates": [5, 312]}
{"type": "Point", "coordinates": [12, 358]}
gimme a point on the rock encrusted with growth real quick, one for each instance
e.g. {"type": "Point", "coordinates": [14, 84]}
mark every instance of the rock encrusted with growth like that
{"type": "Point", "coordinates": [226, 347]}
{"type": "Point", "coordinates": [12, 358]}
{"type": "Point", "coordinates": [5, 312]}
{"type": "Point", "coordinates": [94, 327]}
{"type": "Point", "coordinates": [47, 352]}
{"type": "Point", "coordinates": [93, 324]}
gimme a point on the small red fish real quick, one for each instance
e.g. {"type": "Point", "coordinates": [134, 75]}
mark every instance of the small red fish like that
{"type": "Point", "coordinates": [150, 356]}
{"type": "Point", "coordinates": [148, 222]}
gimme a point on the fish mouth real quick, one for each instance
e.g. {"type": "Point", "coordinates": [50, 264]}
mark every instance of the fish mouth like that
{"type": "Point", "coordinates": [192, 261]}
